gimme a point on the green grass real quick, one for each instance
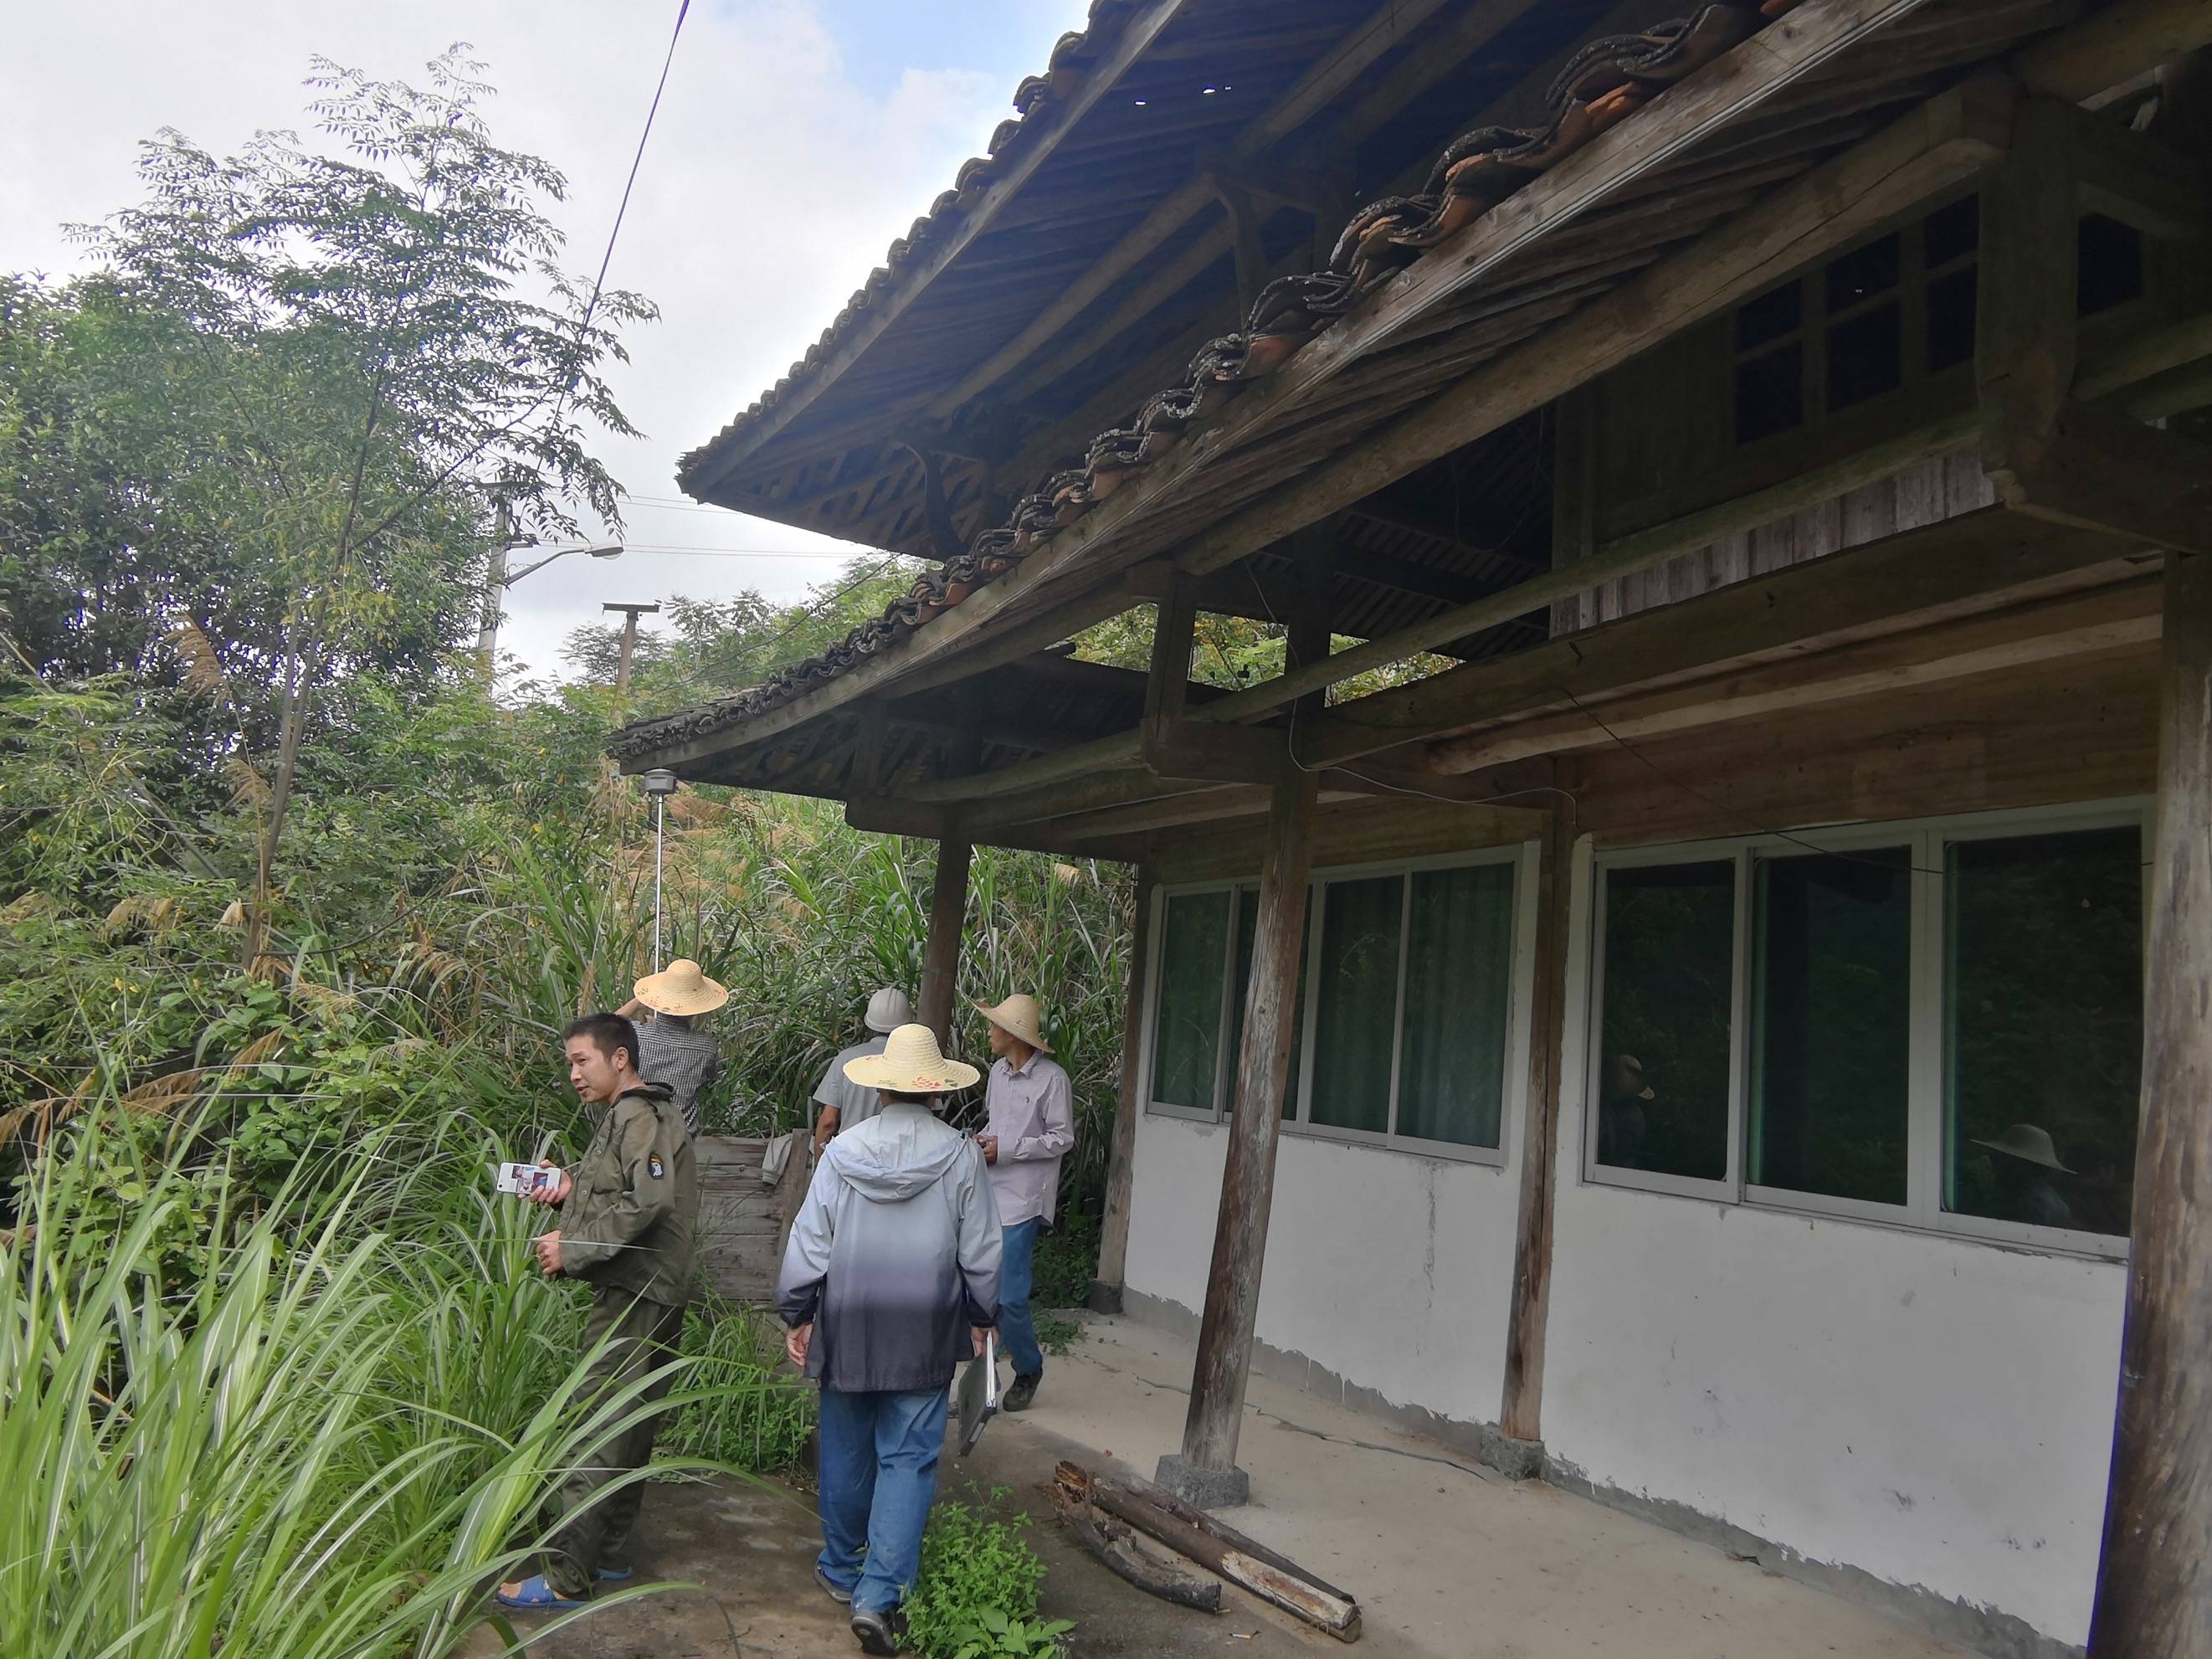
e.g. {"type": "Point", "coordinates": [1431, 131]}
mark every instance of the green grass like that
{"type": "Point", "coordinates": [977, 1592]}
{"type": "Point", "coordinates": [752, 1414]}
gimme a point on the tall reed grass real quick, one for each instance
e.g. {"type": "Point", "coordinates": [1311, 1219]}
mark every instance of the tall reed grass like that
{"type": "Point", "coordinates": [326, 1444]}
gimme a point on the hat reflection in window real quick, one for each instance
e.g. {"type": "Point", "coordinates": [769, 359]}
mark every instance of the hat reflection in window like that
{"type": "Point", "coordinates": [2026, 1160]}
{"type": "Point", "coordinates": [1622, 1091]}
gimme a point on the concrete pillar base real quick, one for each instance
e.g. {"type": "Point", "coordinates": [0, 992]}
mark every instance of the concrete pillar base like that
{"type": "Point", "coordinates": [1104, 1298]}
{"type": "Point", "coordinates": [1205, 1489]}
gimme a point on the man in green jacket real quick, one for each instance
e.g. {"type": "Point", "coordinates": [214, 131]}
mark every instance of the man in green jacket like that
{"type": "Point", "coordinates": [628, 1215]}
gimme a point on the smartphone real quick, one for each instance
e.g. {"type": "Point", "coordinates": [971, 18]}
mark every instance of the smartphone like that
{"type": "Point", "coordinates": [524, 1179]}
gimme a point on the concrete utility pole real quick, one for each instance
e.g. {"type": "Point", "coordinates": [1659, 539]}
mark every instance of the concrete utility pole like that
{"type": "Point", "coordinates": [630, 614]}
{"type": "Point", "coordinates": [502, 542]}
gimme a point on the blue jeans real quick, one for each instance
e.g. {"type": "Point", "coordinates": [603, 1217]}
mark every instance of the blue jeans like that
{"type": "Point", "coordinates": [879, 1473]}
{"type": "Point", "coordinates": [1017, 1270]}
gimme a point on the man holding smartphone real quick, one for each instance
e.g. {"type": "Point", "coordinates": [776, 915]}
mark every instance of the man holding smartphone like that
{"type": "Point", "coordinates": [628, 1216]}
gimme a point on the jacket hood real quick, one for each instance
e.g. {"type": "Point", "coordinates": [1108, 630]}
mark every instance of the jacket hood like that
{"type": "Point", "coordinates": [895, 1155]}
{"type": "Point", "coordinates": [659, 1093]}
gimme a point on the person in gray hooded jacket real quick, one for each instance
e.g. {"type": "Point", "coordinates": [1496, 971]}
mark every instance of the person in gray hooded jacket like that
{"type": "Point", "coordinates": [889, 1279]}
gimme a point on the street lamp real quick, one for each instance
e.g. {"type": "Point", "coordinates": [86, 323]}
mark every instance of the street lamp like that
{"type": "Point", "coordinates": [658, 784]}
{"type": "Point", "coordinates": [502, 579]}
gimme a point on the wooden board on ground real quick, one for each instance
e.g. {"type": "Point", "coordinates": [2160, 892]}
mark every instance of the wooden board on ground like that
{"type": "Point", "coordinates": [743, 1222]}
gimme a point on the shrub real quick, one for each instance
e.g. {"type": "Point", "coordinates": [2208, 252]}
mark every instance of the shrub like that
{"type": "Point", "coordinates": [977, 1593]}
{"type": "Point", "coordinates": [752, 1414]}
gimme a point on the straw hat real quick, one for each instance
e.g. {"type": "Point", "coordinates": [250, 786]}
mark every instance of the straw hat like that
{"type": "Point", "coordinates": [2029, 1144]}
{"type": "Point", "coordinates": [888, 1010]}
{"type": "Point", "coordinates": [680, 988]}
{"type": "Point", "coordinates": [1020, 1018]}
{"type": "Point", "coordinates": [911, 1064]}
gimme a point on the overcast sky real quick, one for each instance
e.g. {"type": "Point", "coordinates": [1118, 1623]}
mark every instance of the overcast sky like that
{"type": "Point", "coordinates": [796, 139]}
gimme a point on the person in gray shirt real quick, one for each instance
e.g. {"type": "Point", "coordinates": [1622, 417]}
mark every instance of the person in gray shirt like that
{"type": "Point", "coordinates": [671, 1047]}
{"type": "Point", "coordinates": [845, 1104]}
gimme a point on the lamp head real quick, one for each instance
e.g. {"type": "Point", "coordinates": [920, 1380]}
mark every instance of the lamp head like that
{"type": "Point", "coordinates": [657, 781]}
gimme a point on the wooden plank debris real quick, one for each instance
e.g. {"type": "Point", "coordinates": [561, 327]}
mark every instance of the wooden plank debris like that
{"type": "Point", "coordinates": [1245, 1562]}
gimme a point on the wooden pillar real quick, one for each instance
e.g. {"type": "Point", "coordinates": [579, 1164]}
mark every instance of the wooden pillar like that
{"type": "Point", "coordinates": [1521, 1411]}
{"type": "Point", "coordinates": [1206, 1472]}
{"type": "Point", "coordinates": [2155, 1583]}
{"type": "Point", "coordinates": [1114, 1225]}
{"type": "Point", "coordinates": [1248, 1183]}
{"type": "Point", "coordinates": [940, 958]}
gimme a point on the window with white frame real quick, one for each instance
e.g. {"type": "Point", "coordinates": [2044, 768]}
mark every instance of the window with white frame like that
{"type": "Point", "coordinates": [1404, 1021]}
{"type": "Point", "coordinates": [1937, 1024]}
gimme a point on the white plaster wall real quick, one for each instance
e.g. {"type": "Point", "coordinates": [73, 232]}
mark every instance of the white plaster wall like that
{"type": "Point", "coordinates": [1938, 1413]}
{"type": "Point", "coordinates": [1935, 1412]}
{"type": "Point", "coordinates": [1392, 1270]}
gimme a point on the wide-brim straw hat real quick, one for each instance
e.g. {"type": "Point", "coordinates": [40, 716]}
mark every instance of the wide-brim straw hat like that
{"type": "Point", "coordinates": [1021, 1018]}
{"type": "Point", "coordinates": [911, 1064]}
{"type": "Point", "coordinates": [2029, 1144]}
{"type": "Point", "coordinates": [680, 988]}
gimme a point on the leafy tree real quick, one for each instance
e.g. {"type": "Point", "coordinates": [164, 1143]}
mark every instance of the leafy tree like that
{"type": "Point", "coordinates": [285, 402]}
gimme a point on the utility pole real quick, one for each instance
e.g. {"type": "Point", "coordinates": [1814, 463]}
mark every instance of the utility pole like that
{"type": "Point", "coordinates": [630, 614]}
{"type": "Point", "coordinates": [503, 540]}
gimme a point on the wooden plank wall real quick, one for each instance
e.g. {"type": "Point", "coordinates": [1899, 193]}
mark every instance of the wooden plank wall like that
{"type": "Point", "coordinates": [742, 1222]}
{"type": "Point", "coordinates": [1941, 487]}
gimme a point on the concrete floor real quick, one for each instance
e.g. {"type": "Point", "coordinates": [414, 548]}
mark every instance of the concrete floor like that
{"type": "Point", "coordinates": [1449, 1560]}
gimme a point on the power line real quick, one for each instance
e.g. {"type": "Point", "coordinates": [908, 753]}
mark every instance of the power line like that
{"type": "Point", "coordinates": [599, 283]}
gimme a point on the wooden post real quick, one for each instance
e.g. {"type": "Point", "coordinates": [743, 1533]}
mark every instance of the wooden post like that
{"type": "Point", "coordinates": [2025, 329]}
{"type": "Point", "coordinates": [630, 614]}
{"type": "Point", "coordinates": [940, 958]}
{"type": "Point", "coordinates": [1521, 1411]}
{"type": "Point", "coordinates": [1113, 1226]}
{"type": "Point", "coordinates": [1574, 499]}
{"type": "Point", "coordinates": [1206, 1474]}
{"type": "Point", "coordinates": [2154, 1582]}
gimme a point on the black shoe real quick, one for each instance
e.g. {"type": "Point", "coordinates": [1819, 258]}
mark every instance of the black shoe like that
{"type": "Point", "coordinates": [880, 1632]}
{"type": "Point", "coordinates": [842, 1597]}
{"type": "Point", "coordinates": [1023, 1392]}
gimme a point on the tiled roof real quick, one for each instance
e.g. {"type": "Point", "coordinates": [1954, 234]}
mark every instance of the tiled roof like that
{"type": "Point", "coordinates": [1606, 81]}
{"type": "Point", "coordinates": [1072, 55]}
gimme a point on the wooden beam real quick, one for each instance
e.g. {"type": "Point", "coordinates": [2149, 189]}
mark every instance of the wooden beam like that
{"type": "Point", "coordinates": [2025, 331]}
{"type": "Point", "coordinates": [1167, 684]}
{"type": "Point", "coordinates": [1098, 81]}
{"type": "Point", "coordinates": [2154, 1581]}
{"type": "Point", "coordinates": [2050, 630]}
{"type": "Point", "coordinates": [1641, 550]}
{"type": "Point", "coordinates": [940, 956]}
{"type": "Point", "coordinates": [2112, 44]}
{"type": "Point", "coordinates": [1105, 1294]}
{"type": "Point", "coordinates": [1312, 92]}
{"type": "Point", "coordinates": [1529, 1318]}
{"type": "Point", "coordinates": [1963, 565]}
{"type": "Point", "coordinates": [2139, 180]}
{"type": "Point", "coordinates": [1224, 1362]}
{"type": "Point", "coordinates": [2147, 355]}
{"type": "Point", "coordinates": [1944, 142]}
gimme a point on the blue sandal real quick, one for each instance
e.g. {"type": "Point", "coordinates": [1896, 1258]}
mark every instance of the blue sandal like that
{"type": "Point", "coordinates": [616, 1575]}
{"type": "Point", "coordinates": [534, 1594]}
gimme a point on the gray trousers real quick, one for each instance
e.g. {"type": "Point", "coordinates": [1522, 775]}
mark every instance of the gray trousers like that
{"type": "Point", "coordinates": [642, 1336]}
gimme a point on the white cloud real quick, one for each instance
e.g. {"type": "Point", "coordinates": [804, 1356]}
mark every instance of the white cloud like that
{"type": "Point", "coordinates": [772, 186]}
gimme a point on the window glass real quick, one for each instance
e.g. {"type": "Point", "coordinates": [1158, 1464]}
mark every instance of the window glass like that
{"type": "Point", "coordinates": [2110, 264]}
{"type": "Point", "coordinates": [1865, 356]}
{"type": "Point", "coordinates": [1831, 981]}
{"type": "Point", "coordinates": [2043, 1028]}
{"type": "Point", "coordinates": [1951, 232]}
{"type": "Point", "coordinates": [1863, 274]}
{"type": "Point", "coordinates": [1187, 1025]}
{"type": "Point", "coordinates": [1770, 394]}
{"type": "Point", "coordinates": [1247, 921]}
{"type": "Point", "coordinates": [1357, 983]}
{"type": "Point", "coordinates": [1771, 316]}
{"type": "Point", "coordinates": [1952, 303]}
{"type": "Point", "coordinates": [1459, 979]}
{"type": "Point", "coordinates": [1662, 1088]}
